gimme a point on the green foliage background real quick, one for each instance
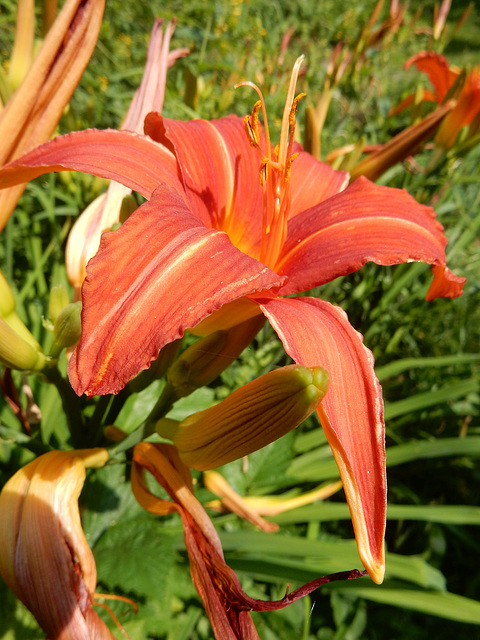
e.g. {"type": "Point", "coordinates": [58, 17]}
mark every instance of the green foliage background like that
{"type": "Point", "coordinates": [427, 354]}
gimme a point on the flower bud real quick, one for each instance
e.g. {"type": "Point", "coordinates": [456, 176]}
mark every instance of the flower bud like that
{"type": "Point", "coordinates": [17, 353]}
{"type": "Point", "coordinates": [186, 373]}
{"type": "Point", "coordinates": [7, 299]}
{"type": "Point", "coordinates": [250, 418]}
{"type": "Point", "coordinates": [67, 328]}
{"type": "Point", "coordinates": [58, 301]}
{"type": "Point", "coordinates": [45, 558]}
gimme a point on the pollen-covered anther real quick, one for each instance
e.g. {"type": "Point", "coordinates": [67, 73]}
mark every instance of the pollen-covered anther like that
{"type": "Point", "coordinates": [264, 171]}
{"type": "Point", "coordinates": [288, 168]}
{"type": "Point", "coordinates": [293, 110]}
{"type": "Point", "coordinates": [250, 132]}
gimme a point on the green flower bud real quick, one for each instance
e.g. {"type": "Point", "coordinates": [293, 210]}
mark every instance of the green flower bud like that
{"type": "Point", "coordinates": [58, 301]}
{"type": "Point", "coordinates": [67, 328]}
{"type": "Point", "coordinates": [17, 353]}
{"type": "Point", "coordinates": [187, 372]}
{"type": "Point", "coordinates": [7, 299]}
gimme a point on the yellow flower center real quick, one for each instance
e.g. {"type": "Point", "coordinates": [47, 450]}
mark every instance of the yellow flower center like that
{"type": "Point", "coordinates": [275, 168]}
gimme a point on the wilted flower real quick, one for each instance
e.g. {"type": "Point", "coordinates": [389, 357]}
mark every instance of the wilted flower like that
{"type": "Point", "coordinates": [225, 602]}
{"type": "Point", "coordinates": [45, 558]}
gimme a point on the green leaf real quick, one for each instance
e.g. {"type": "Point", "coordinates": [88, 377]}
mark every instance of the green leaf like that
{"type": "Point", "coordinates": [326, 511]}
{"type": "Point", "coordinates": [399, 366]}
{"type": "Point", "coordinates": [276, 556]}
{"type": "Point", "coordinates": [435, 603]}
{"type": "Point", "coordinates": [419, 401]}
{"type": "Point", "coordinates": [314, 466]}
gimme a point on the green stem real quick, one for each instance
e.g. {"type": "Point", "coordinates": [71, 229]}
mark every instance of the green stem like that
{"type": "Point", "coordinates": [146, 429]}
{"type": "Point", "coordinates": [72, 406]}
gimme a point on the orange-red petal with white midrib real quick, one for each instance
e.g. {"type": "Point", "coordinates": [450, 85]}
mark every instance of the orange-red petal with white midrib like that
{"type": "Point", "coordinates": [315, 333]}
{"type": "Point", "coordinates": [181, 273]}
{"type": "Point", "coordinates": [366, 222]}
{"type": "Point", "coordinates": [129, 158]}
{"type": "Point", "coordinates": [436, 67]}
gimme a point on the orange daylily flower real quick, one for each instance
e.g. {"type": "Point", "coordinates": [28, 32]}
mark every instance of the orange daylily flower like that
{"type": "Point", "coordinates": [33, 112]}
{"type": "Point", "coordinates": [215, 246]}
{"type": "Point", "coordinates": [45, 558]}
{"type": "Point", "coordinates": [442, 77]}
{"type": "Point", "coordinates": [225, 602]}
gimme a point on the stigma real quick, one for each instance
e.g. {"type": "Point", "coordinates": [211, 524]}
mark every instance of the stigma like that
{"type": "Point", "coordinates": [275, 167]}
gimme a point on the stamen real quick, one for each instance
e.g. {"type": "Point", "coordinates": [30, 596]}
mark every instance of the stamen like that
{"type": "Point", "coordinates": [249, 83]}
{"type": "Point", "coordinates": [275, 168]}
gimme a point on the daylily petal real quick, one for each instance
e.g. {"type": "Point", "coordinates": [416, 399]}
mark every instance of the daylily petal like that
{"type": "Point", "coordinates": [427, 96]}
{"type": "Point", "coordinates": [100, 215]}
{"type": "Point", "coordinates": [436, 67]}
{"type": "Point", "coordinates": [220, 172]}
{"type": "Point", "coordinates": [315, 333]}
{"type": "Point", "coordinates": [182, 273]}
{"type": "Point", "coordinates": [129, 158]}
{"type": "Point", "coordinates": [467, 109]}
{"type": "Point", "coordinates": [225, 602]}
{"type": "Point", "coordinates": [366, 222]}
{"type": "Point", "coordinates": [312, 182]}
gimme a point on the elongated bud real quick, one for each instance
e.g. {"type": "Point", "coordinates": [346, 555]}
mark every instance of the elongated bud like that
{"type": "Point", "coordinates": [67, 328]}
{"type": "Point", "coordinates": [188, 372]}
{"type": "Point", "coordinates": [7, 299]}
{"type": "Point", "coordinates": [250, 418]}
{"type": "Point", "coordinates": [17, 353]}
{"type": "Point", "coordinates": [157, 369]}
{"type": "Point", "coordinates": [45, 558]}
{"type": "Point", "coordinates": [58, 300]}
{"type": "Point", "coordinates": [10, 317]}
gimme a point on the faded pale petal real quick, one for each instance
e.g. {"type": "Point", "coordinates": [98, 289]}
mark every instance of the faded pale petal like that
{"type": "Point", "coordinates": [315, 333]}
{"type": "Point", "coordinates": [366, 222]}
{"type": "Point", "coordinates": [132, 308]}
{"type": "Point", "coordinates": [151, 92]}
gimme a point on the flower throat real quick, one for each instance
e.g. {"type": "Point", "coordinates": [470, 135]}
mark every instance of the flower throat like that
{"type": "Point", "coordinates": [275, 167]}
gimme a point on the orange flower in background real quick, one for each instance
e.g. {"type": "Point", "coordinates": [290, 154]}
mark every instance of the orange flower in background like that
{"type": "Point", "coordinates": [45, 558]}
{"type": "Point", "coordinates": [225, 602]}
{"type": "Point", "coordinates": [33, 112]}
{"type": "Point", "coordinates": [214, 246]}
{"type": "Point", "coordinates": [443, 77]}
